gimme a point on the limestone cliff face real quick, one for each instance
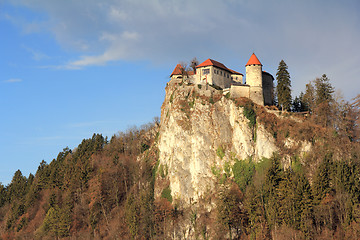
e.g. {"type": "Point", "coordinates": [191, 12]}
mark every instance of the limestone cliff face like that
{"type": "Point", "coordinates": [201, 130]}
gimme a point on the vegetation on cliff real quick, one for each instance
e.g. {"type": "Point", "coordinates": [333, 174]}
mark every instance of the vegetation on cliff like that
{"type": "Point", "coordinates": [107, 189]}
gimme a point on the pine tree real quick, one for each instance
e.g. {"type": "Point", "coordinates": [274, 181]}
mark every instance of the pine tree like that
{"type": "Point", "coordinates": [321, 184]}
{"type": "Point", "coordinates": [230, 212]}
{"type": "Point", "coordinates": [324, 98]}
{"type": "Point", "coordinates": [3, 195]}
{"type": "Point", "coordinates": [273, 178]}
{"type": "Point", "coordinates": [324, 90]}
{"type": "Point", "coordinates": [17, 187]}
{"type": "Point", "coordinates": [309, 97]}
{"type": "Point", "coordinates": [283, 88]}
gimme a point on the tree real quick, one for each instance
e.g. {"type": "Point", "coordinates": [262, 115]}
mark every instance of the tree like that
{"type": "Point", "coordinates": [193, 63]}
{"type": "Point", "coordinates": [324, 97]}
{"type": "Point", "coordinates": [356, 117]}
{"type": "Point", "coordinates": [324, 90]}
{"type": "Point", "coordinates": [298, 105]}
{"type": "Point", "coordinates": [309, 97]}
{"type": "Point", "coordinates": [283, 88]}
{"type": "Point", "coordinates": [321, 183]}
{"type": "Point", "coordinates": [17, 187]}
{"type": "Point", "coordinates": [56, 222]}
{"type": "Point", "coordinates": [273, 177]}
{"type": "Point", "coordinates": [184, 70]}
{"type": "Point", "coordinates": [3, 194]}
{"type": "Point", "coordinates": [230, 210]}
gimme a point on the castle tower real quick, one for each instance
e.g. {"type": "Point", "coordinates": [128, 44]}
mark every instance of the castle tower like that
{"type": "Point", "coordinates": [254, 79]}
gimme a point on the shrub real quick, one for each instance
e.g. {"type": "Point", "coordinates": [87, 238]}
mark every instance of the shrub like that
{"type": "Point", "coordinates": [250, 113]}
{"type": "Point", "coordinates": [191, 103]}
{"type": "Point", "coordinates": [172, 96]}
{"type": "Point", "coordinates": [227, 95]}
{"type": "Point", "coordinates": [211, 100]}
{"type": "Point", "coordinates": [220, 152]}
{"type": "Point", "coordinates": [166, 193]}
{"type": "Point", "coordinates": [215, 171]}
{"type": "Point", "coordinates": [243, 171]}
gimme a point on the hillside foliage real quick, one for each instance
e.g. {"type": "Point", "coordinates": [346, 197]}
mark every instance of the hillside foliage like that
{"type": "Point", "coordinates": [104, 189]}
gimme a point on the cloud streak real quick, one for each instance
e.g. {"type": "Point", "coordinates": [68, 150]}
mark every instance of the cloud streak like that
{"type": "Point", "coordinates": [13, 80]}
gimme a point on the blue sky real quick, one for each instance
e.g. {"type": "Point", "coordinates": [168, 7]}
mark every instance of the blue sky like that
{"type": "Point", "coordinates": [69, 69]}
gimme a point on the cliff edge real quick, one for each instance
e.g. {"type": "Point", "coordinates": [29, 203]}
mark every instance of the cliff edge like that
{"type": "Point", "coordinates": [203, 132]}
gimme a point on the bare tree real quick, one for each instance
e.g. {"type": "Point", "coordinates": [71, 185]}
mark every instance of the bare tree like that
{"type": "Point", "coordinates": [193, 63]}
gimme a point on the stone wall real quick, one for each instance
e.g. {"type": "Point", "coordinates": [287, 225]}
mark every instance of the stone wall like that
{"type": "Point", "coordinates": [237, 91]}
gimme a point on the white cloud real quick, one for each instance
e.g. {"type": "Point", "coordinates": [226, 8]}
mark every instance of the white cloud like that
{"type": "Point", "coordinates": [13, 80]}
{"type": "Point", "coordinates": [313, 37]}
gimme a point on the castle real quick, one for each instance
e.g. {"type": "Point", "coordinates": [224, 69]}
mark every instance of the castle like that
{"type": "Point", "coordinates": [258, 86]}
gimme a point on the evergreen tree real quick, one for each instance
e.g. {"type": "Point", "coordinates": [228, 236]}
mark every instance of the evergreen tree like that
{"type": "Point", "coordinates": [3, 194]}
{"type": "Point", "coordinates": [17, 187]}
{"type": "Point", "coordinates": [230, 212]}
{"type": "Point", "coordinates": [56, 222]}
{"type": "Point", "coordinates": [309, 97]}
{"type": "Point", "coordinates": [324, 98]}
{"type": "Point", "coordinates": [298, 104]}
{"type": "Point", "coordinates": [273, 178]}
{"type": "Point", "coordinates": [283, 88]}
{"type": "Point", "coordinates": [321, 184]}
{"type": "Point", "coordinates": [324, 90]}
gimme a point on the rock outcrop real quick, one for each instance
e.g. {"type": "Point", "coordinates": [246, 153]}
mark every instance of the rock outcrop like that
{"type": "Point", "coordinates": [202, 130]}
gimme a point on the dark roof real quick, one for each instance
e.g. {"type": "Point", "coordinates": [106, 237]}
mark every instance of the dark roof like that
{"type": "Point", "coordinates": [266, 73]}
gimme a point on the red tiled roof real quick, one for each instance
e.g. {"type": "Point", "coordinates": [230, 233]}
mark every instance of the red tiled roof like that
{"type": "Point", "coordinates": [253, 60]}
{"type": "Point", "coordinates": [178, 70]}
{"type": "Point", "coordinates": [210, 62]}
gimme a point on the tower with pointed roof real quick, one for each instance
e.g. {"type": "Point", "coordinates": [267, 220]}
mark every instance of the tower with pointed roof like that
{"type": "Point", "coordinates": [258, 87]}
{"type": "Point", "coordinates": [254, 79]}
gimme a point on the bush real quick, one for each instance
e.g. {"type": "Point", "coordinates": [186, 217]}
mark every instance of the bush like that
{"type": "Point", "coordinates": [220, 152]}
{"type": "Point", "coordinates": [227, 95]}
{"type": "Point", "coordinates": [166, 193]}
{"type": "Point", "coordinates": [211, 100]}
{"type": "Point", "coordinates": [243, 171]}
{"type": "Point", "coordinates": [250, 113]}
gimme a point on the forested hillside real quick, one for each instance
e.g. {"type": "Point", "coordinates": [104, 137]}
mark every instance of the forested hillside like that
{"type": "Point", "coordinates": [83, 192]}
{"type": "Point", "coordinates": [104, 189]}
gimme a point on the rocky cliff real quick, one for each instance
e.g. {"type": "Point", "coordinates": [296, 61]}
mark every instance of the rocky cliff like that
{"type": "Point", "coordinates": [202, 131]}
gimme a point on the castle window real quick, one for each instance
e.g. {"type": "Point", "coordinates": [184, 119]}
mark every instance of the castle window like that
{"type": "Point", "coordinates": [206, 71]}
